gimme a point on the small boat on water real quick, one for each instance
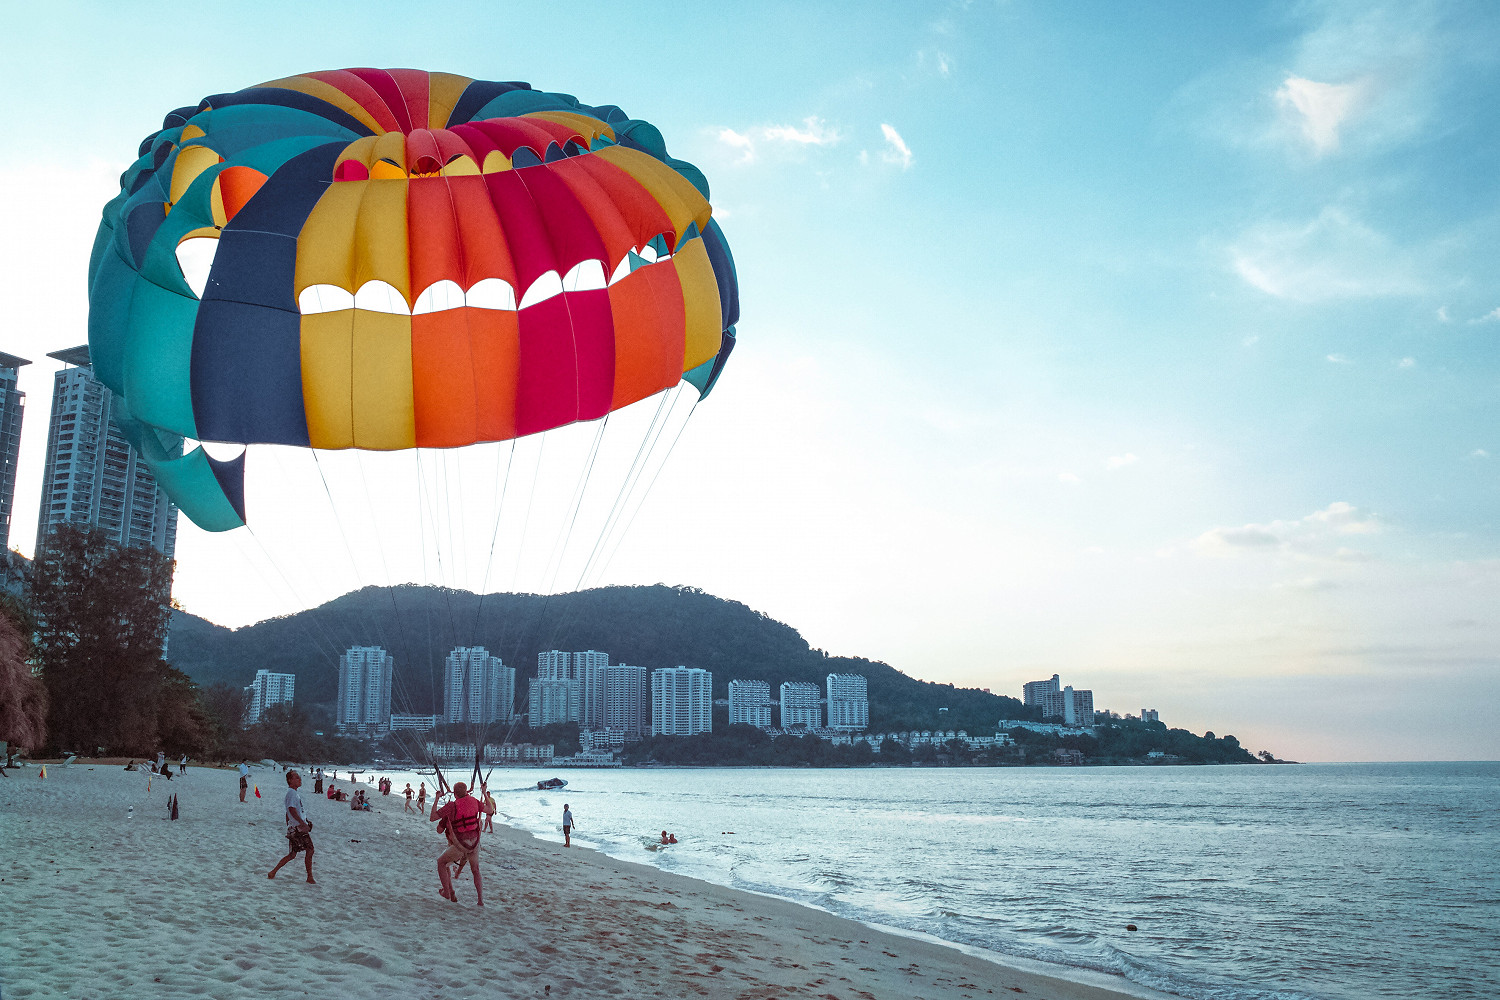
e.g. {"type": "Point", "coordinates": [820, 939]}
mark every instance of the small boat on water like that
{"type": "Point", "coordinates": [551, 784]}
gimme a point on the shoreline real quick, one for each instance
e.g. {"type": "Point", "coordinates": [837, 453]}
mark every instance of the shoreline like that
{"type": "Point", "coordinates": [118, 905]}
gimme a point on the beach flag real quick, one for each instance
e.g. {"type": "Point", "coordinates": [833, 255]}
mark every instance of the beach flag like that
{"type": "Point", "coordinates": [174, 806]}
{"type": "Point", "coordinates": [44, 772]}
{"type": "Point", "coordinates": [257, 791]}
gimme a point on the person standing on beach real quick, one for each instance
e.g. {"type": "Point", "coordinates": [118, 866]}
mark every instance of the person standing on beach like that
{"type": "Point", "coordinates": [567, 826]}
{"type": "Point", "coordinates": [422, 799]}
{"type": "Point", "coordinates": [461, 819]}
{"type": "Point", "coordinates": [408, 797]}
{"type": "Point", "coordinates": [244, 779]}
{"type": "Point", "coordinates": [182, 765]}
{"type": "Point", "coordinates": [298, 828]}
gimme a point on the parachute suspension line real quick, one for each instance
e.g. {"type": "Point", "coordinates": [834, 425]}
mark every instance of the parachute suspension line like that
{"type": "Point", "coordinates": [627, 485]}
{"type": "Point", "coordinates": [328, 642]}
{"type": "Point", "coordinates": [499, 491]}
{"type": "Point", "coordinates": [401, 689]}
{"type": "Point", "coordinates": [644, 496]}
{"type": "Point", "coordinates": [560, 547]}
{"type": "Point", "coordinates": [536, 475]}
{"type": "Point", "coordinates": [643, 453]}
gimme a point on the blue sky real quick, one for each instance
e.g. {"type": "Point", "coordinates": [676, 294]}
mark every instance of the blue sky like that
{"type": "Point", "coordinates": [1154, 345]}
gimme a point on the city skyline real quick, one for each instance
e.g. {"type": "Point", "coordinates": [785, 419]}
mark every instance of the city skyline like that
{"type": "Point", "coordinates": [1178, 371]}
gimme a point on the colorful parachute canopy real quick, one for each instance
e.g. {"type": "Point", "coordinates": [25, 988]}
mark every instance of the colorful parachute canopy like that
{"type": "Point", "coordinates": [387, 259]}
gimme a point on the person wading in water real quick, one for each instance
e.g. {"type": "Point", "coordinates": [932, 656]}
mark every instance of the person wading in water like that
{"type": "Point", "coordinates": [460, 820]}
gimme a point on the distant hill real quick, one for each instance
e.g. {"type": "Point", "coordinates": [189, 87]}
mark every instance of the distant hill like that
{"type": "Point", "coordinates": [653, 627]}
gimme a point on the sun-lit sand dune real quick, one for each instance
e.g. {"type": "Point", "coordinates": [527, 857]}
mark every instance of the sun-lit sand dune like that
{"type": "Point", "coordinates": [103, 902]}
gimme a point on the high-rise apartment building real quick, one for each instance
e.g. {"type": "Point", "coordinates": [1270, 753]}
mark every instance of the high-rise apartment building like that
{"type": "Point", "coordinates": [627, 699]}
{"type": "Point", "coordinates": [478, 688]}
{"type": "Point", "coordinates": [750, 704]}
{"type": "Point", "coordinates": [1077, 707]}
{"type": "Point", "coordinates": [800, 705]}
{"type": "Point", "coordinates": [1035, 692]}
{"type": "Point", "coordinates": [93, 476]}
{"type": "Point", "coordinates": [266, 690]}
{"type": "Point", "coordinates": [554, 665]}
{"type": "Point", "coordinates": [1150, 715]}
{"type": "Point", "coordinates": [848, 703]}
{"type": "Point", "coordinates": [588, 669]}
{"type": "Point", "coordinates": [681, 701]}
{"type": "Point", "coordinates": [551, 700]}
{"type": "Point", "coordinates": [365, 674]}
{"type": "Point", "coordinates": [12, 410]}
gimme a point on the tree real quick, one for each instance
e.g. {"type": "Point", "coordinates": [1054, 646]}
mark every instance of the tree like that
{"type": "Point", "coordinates": [101, 622]}
{"type": "Point", "coordinates": [23, 698]}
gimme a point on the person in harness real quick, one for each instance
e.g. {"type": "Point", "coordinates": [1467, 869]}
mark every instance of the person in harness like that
{"type": "Point", "coordinates": [460, 820]}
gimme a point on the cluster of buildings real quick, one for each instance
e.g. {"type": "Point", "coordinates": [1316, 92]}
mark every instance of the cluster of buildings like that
{"type": "Point", "coordinates": [92, 475]}
{"type": "Point", "coordinates": [1064, 710]}
{"type": "Point", "coordinates": [802, 706]}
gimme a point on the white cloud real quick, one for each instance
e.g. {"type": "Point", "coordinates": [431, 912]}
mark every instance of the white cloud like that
{"type": "Point", "coordinates": [1312, 536]}
{"type": "Point", "coordinates": [1250, 341]}
{"type": "Point", "coordinates": [1340, 359]}
{"type": "Point", "coordinates": [738, 141]}
{"type": "Point", "coordinates": [1493, 316]}
{"type": "Point", "coordinates": [812, 133]}
{"type": "Point", "coordinates": [1332, 257]}
{"type": "Point", "coordinates": [936, 60]}
{"type": "Point", "coordinates": [897, 151]}
{"type": "Point", "coordinates": [1323, 108]}
{"type": "Point", "coordinates": [1120, 461]}
{"type": "Point", "coordinates": [1442, 315]}
{"type": "Point", "coordinates": [1069, 478]}
{"type": "Point", "coordinates": [1407, 363]}
{"type": "Point", "coordinates": [1479, 453]}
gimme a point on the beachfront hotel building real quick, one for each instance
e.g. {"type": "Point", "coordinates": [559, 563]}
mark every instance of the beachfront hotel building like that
{"type": "Point", "coordinates": [1045, 695]}
{"type": "Point", "coordinates": [848, 703]}
{"type": "Point", "coordinates": [93, 475]}
{"type": "Point", "coordinates": [364, 707]}
{"type": "Point", "coordinates": [414, 723]}
{"type": "Point", "coordinates": [627, 700]}
{"type": "Point", "coordinates": [266, 690]}
{"type": "Point", "coordinates": [750, 704]}
{"type": "Point", "coordinates": [478, 688]}
{"type": "Point", "coordinates": [12, 410]}
{"type": "Point", "coordinates": [681, 701]}
{"type": "Point", "coordinates": [801, 705]}
{"type": "Point", "coordinates": [1077, 707]}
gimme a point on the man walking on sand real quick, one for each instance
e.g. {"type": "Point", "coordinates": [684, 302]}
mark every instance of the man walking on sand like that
{"type": "Point", "coordinates": [244, 779]}
{"type": "Point", "coordinates": [298, 827]}
{"type": "Point", "coordinates": [461, 820]}
{"type": "Point", "coordinates": [567, 826]}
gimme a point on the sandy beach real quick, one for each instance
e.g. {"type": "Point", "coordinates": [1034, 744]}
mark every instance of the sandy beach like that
{"type": "Point", "coordinates": [103, 902]}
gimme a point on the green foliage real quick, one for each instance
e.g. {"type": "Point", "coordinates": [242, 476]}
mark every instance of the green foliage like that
{"type": "Point", "coordinates": [101, 615]}
{"type": "Point", "coordinates": [1121, 740]}
{"type": "Point", "coordinates": [653, 627]}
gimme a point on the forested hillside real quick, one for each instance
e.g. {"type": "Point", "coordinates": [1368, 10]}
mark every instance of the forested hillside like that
{"type": "Point", "coordinates": [653, 627]}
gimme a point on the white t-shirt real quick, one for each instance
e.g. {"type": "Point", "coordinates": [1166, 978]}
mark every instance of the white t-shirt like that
{"type": "Point", "coordinates": [567, 817]}
{"type": "Point", "coordinates": [244, 771]}
{"type": "Point", "coordinates": [294, 801]}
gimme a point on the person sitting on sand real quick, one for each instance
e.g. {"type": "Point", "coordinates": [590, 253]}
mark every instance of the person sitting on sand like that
{"type": "Point", "coordinates": [461, 818]}
{"type": "Point", "coordinates": [298, 827]}
{"type": "Point", "coordinates": [408, 797]}
{"type": "Point", "coordinates": [332, 793]}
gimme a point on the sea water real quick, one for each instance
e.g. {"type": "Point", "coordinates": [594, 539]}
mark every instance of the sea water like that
{"type": "Point", "coordinates": [1254, 882]}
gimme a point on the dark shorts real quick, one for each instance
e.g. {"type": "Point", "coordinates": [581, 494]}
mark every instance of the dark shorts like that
{"type": "Point", "coordinates": [244, 783]}
{"type": "Point", "coordinates": [298, 842]}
